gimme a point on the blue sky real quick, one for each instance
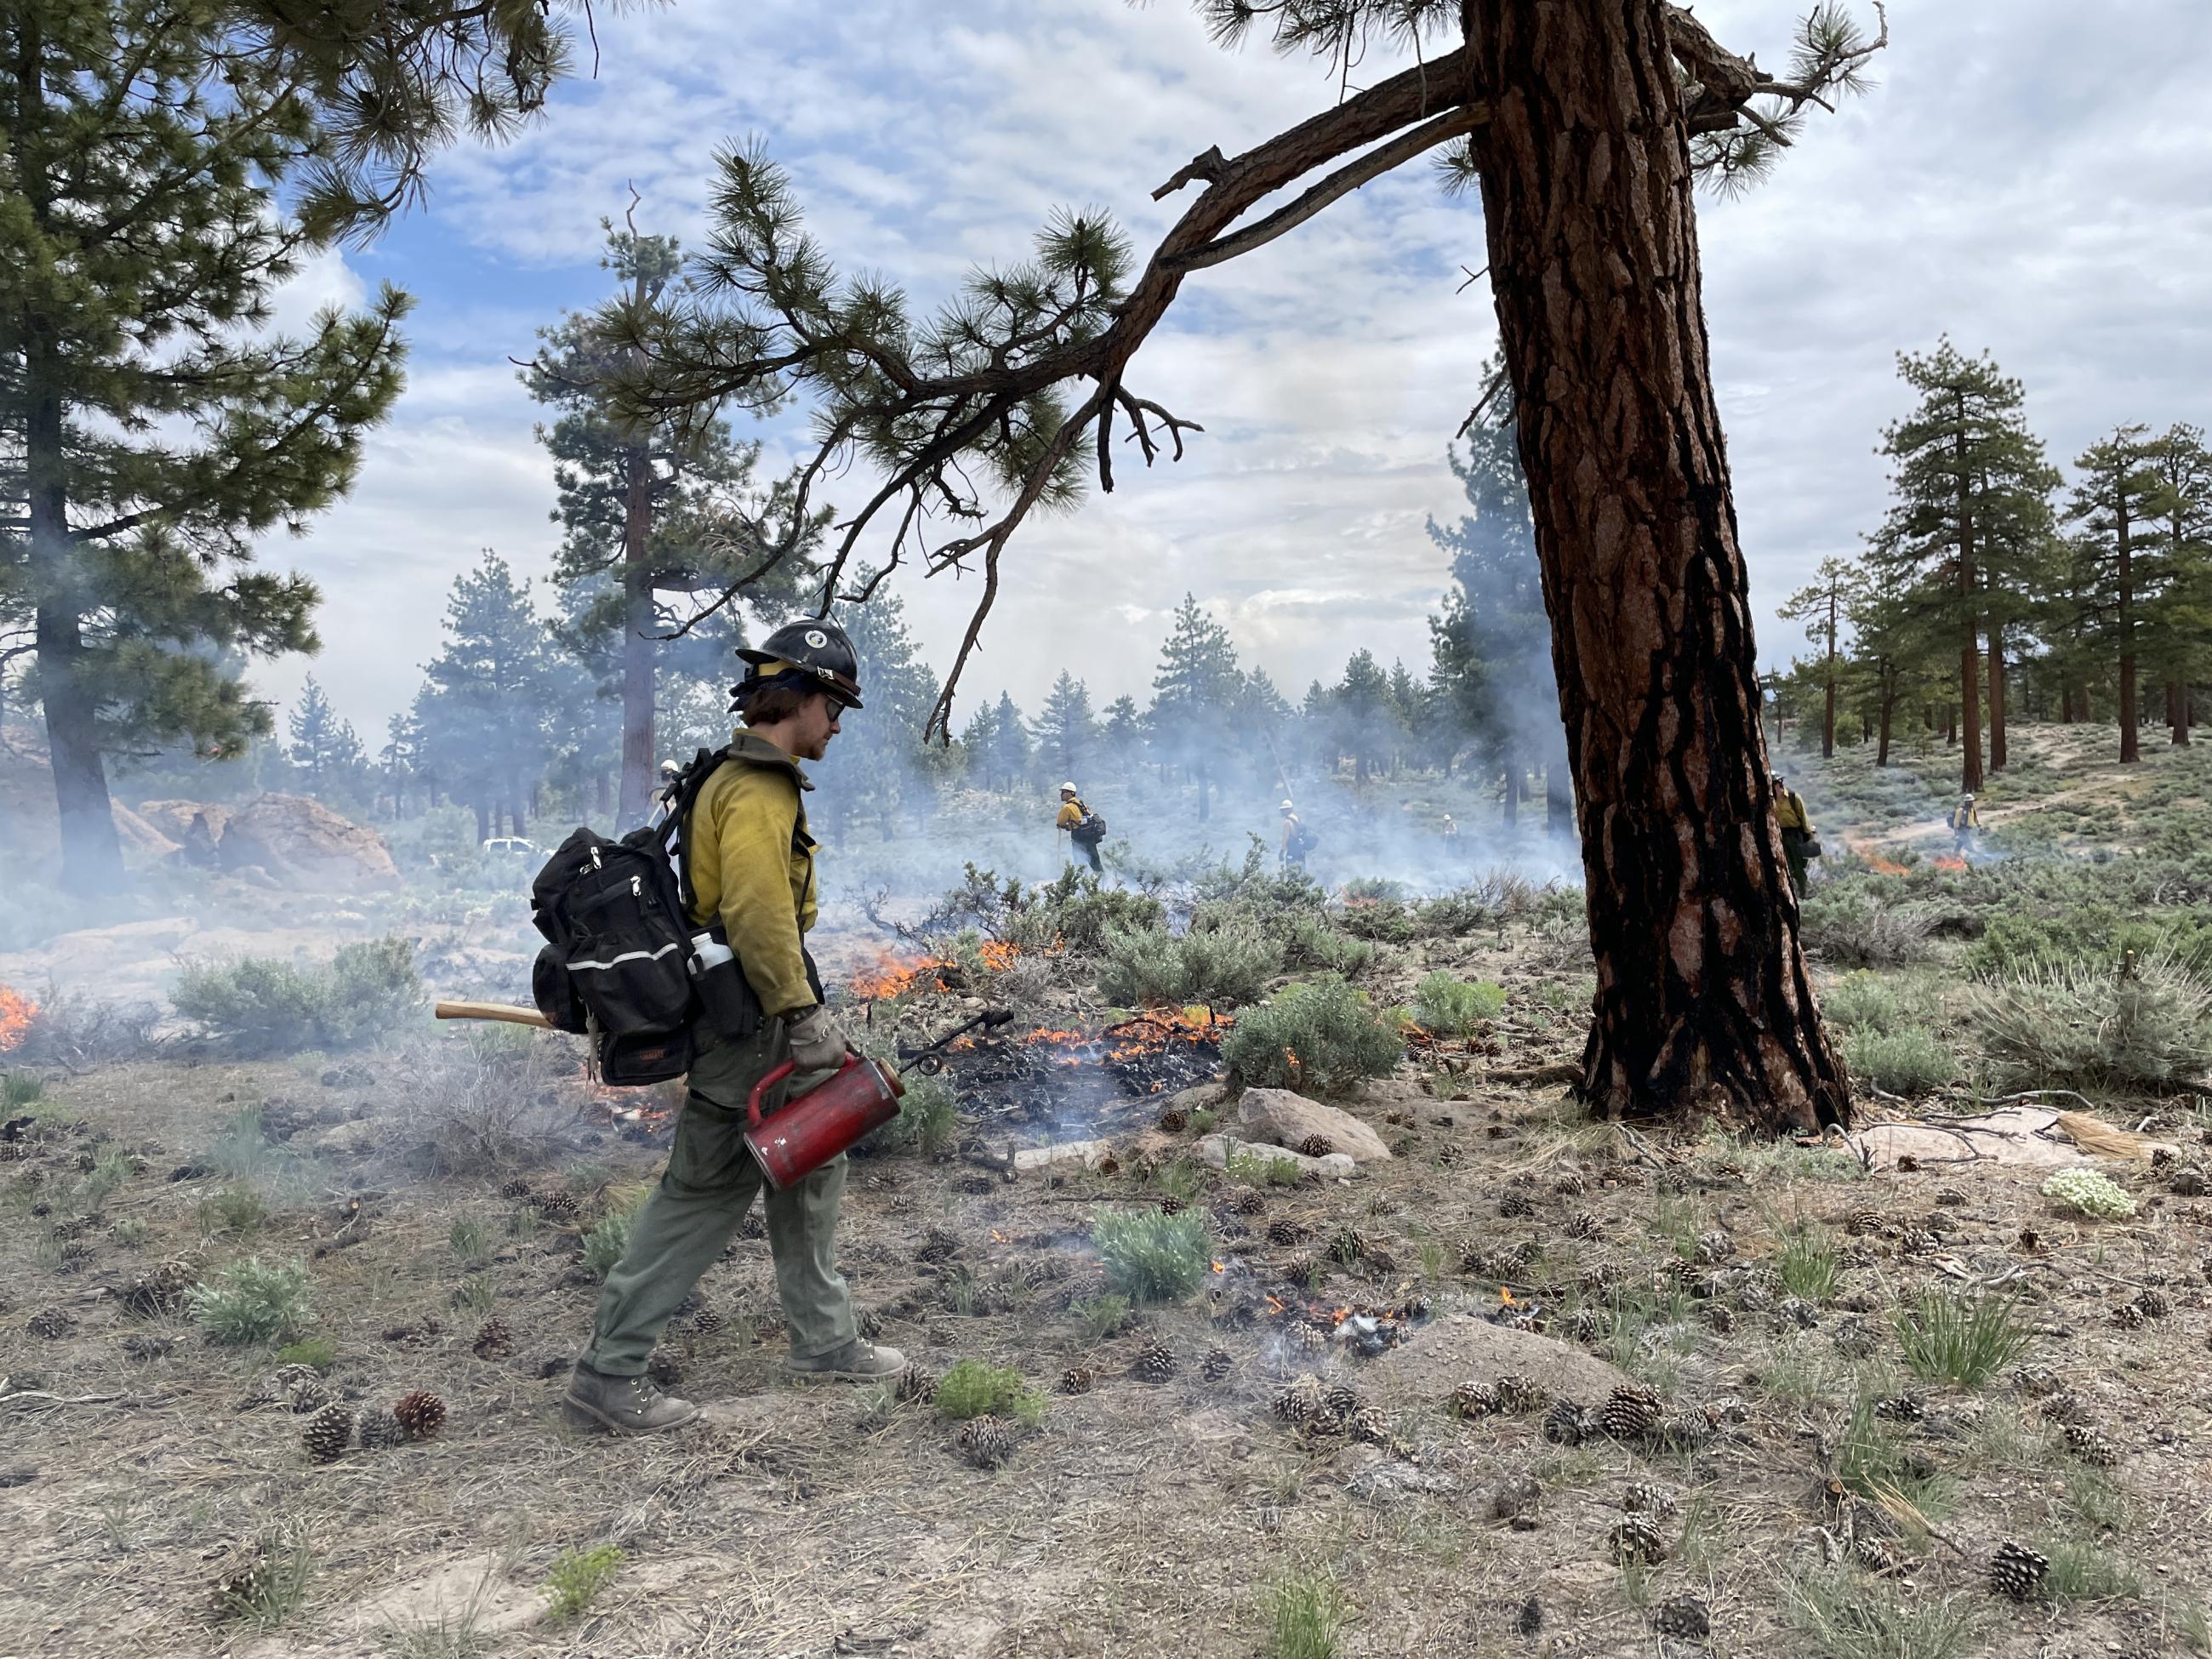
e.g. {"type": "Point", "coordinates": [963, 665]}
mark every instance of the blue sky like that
{"type": "Point", "coordinates": [2027, 182]}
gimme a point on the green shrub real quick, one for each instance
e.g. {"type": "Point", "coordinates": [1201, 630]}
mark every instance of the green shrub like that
{"type": "Point", "coordinates": [1319, 1035]}
{"type": "Point", "coordinates": [131, 1232]}
{"type": "Point", "coordinates": [604, 1244]}
{"type": "Point", "coordinates": [1102, 1317]}
{"type": "Point", "coordinates": [1849, 928]}
{"type": "Point", "coordinates": [2090, 1029]}
{"type": "Point", "coordinates": [1948, 1338]}
{"type": "Point", "coordinates": [272, 1583]}
{"type": "Point", "coordinates": [234, 1211]}
{"type": "Point", "coordinates": [2085, 1192]}
{"type": "Point", "coordinates": [578, 1576]}
{"type": "Point", "coordinates": [1223, 959]}
{"type": "Point", "coordinates": [1250, 1162]}
{"type": "Point", "coordinates": [1151, 1256]}
{"type": "Point", "coordinates": [972, 1389]}
{"type": "Point", "coordinates": [1310, 942]}
{"type": "Point", "coordinates": [1863, 1001]}
{"type": "Point", "coordinates": [319, 1351]}
{"type": "Point", "coordinates": [260, 1006]}
{"type": "Point", "coordinates": [1911, 1060]}
{"type": "Point", "coordinates": [928, 1119]}
{"type": "Point", "coordinates": [19, 1088]}
{"type": "Point", "coordinates": [1454, 1007]}
{"type": "Point", "coordinates": [109, 1169]}
{"type": "Point", "coordinates": [2089, 936]}
{"type": "Point", "coordinates": [248, 1303]}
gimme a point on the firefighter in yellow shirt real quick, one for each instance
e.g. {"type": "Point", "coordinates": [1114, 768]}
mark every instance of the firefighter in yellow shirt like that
{"type": "Point", "coordinates": [1965, 825]}
{"type": "Point", "coordinates": [1084, 827]}
{"type": "Point", "coordinates": [751, 867]}
{"type": "Point", "coordinates": [1799, 845]}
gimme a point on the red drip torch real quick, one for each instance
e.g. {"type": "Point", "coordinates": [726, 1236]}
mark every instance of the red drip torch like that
{"type": "Point", "coordinates": [854, 1100]}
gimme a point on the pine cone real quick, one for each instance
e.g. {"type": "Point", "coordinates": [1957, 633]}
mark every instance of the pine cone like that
{"type": "Point", "coordinates": [663, 1369]}
{"type": "Point", "coordinates": [1631, 1413]}
{"type": "Point", "coordinates": [1217, 1364]}
{"type": "Point", "coordinates": [2063, 1406]}
{"type": "Point", "coordinates": [917, 1385]}
{"type": "Point", "coordinates": [2090, 1445]}
{"type": "Point", "coordinates": [1284, 1230]}
{"type": "Point", "coordinates": [1340, 1400]}
{"type": "Point", "coordinates": [1684, 1615]}
{"type": "Point", "coordinates": [328, 1433]}
{"type": "Point", "coordinates": [2128, 1316]}
{"type": "Point", "coordinates": [558, 1203]}
{"type": "Point", "coordinates": [1950, 1197]}
{"type": "Point", "coordinates": [709, 1320]}
{"type": "Point", "coordinates": [1636, 1540]}
{"type": "Point", "coordinates": [148, 1346]}
{"type": "Point", "coordinates": [1516, 1497]}
{"type": "Point", "coordinates": [1570, 1185]}
{"type": "Point", "coordinates": [421, 1413]}
{"type": "Point", "coordinates": [2017, 1571]}
{"type": "Point", "coordinates": [1316, 1146]}
{"type": "Point", "coordinates": [1877, 1555]}
{"type": "Point", "coordinates": [2035, 1380]}
{"type": "Point", "coordinates": [1108, 1165]}
{"type": "Point", "coordinates": [1901, 1408]}
{"type": "Point", "coordinates": [1174, 1121]}
{"type": "Point", "coordinates": [298, 1389]}
{"type": "Point", "coordinates": [1584, 1326]}
{"type": "Point", "coordinates": [159, 1291]}
{"type": "Point", "coordinates": [1076, 1379]}
{"type": "Point", "coordinates": [1308, 1337]}
{"type": "Point", "coordinates": [1370, 1425]}
{"type": "Point", "coordinates": [493, 1340]}
{"type": "Point", "coordinates": [2187, 1182]}
{"type": "Point", "coordinates": [1650, 1497]}
{"type": "Point", "coordinates": [1517, 1393]}
{"type": "Point", "coordinates": [986, 1441]}
{"type": "Point", "coordinates": [1583, 1225]}
{"type": "Point", "coordinates": [1347, 1246]}
{"type": "Point", "coordinates": [1516, 1202]}
{"type": "Point", "coordinates": [381, 1431]}
{"type": "Point", "coordinates": [1569, 1424]}
{"type": "Point", "coordinates": [1713, 1248]}
{"type": "Point", "coordinates": [52, 1324]}
{"type": "Point", "coordinates": [1246, 1201]}
{"type": "Point", "coordinates": [1301, 1402]}
{"type": "Point", "coordinates": [1476, 1400]}
{"type": "Point", "coordinates": [753, 1226]}
{"type": "Point", "coordinates": [1170, 1205]}
{"type": "Point", "coordinates": [1155, 1363]}
{"type": "Point", "coordinates": [2154, 1305]}
{"type": "Point", "coordinates": [1303, 1271]}
{"type": "Point", "coordinates": [1683, 1430]}
{"type": "Point", "coordinates": [517, 1188]}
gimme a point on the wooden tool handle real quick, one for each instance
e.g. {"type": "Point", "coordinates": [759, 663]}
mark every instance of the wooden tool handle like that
{"type": "Point", "coordinates": [506, 1011]}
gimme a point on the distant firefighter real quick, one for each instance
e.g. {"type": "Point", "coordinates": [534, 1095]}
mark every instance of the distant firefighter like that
{"type": "Point", "coordinates": [1799, 844]}
{"type": "Point", "coordinates": [1966, 824]}
{"type": "Point", "coordinates": [1297, 839]}
{"type": "Point", "coordinates": [1085, 828]}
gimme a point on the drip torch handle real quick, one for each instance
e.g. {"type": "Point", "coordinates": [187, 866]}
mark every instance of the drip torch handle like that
{"type": "Point", "coordinates": [777, 1075]}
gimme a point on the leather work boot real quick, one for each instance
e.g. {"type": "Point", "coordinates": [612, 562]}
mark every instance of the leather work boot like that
{"type": "Point", "coordinates": [627, 1405]}
{"type": "Point", "coordinates": [857, 1361]}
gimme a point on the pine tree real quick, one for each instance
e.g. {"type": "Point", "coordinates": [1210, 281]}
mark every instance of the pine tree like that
{"type": "Point", "coordinates": [150, 431]}
{"type": "Point", "coordinates": [1196, 687]}
{"type": "Point", "coordinates": [2116, 553]}
{"type": "Point", "coordinates": [884, 766]}
{"type": "Point", "coordinates": [483, 710]}
{"type": "Point", "coordinates": [654, 509]}
{"type": "Point", "coordinates": [2179, 643]}
{"type": "Point", "coordinates": [1970, 514]}
{"type": "Point", "coordinates": [1123, 736]}
{"type": "Point", "coordinates": [1010, 745]}
{"type": "Point", "coordinates": [1370, 725]}
{"type": "Point", "coordinates": [323, 746]}
{"type": "Point", "coordinates": [1066, 729]}
{"type": "Point", "coordinates": [1826, 603]}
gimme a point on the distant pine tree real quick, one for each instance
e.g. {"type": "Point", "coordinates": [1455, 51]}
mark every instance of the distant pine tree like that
{"type": "Point", "coordinates": [1065, 730]}
{"type": "Point", "coordinates": [323, 747]}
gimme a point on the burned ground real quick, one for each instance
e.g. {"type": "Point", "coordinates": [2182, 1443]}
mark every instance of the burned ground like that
{"type": "Point", "coordinates": [1793, 1472]}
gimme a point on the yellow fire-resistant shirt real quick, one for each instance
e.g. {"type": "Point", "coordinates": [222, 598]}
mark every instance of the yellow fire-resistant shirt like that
{"type": "Point", "coordinates": [1071, 814]}
{"type": "Point", "coordinates": [752, 864]}
{"type": "Point", "coordinates": [1789, 813]}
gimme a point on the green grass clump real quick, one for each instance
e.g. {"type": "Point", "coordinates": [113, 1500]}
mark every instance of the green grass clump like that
{"type": "Point", "coordinates": [1808, 1265]}
{"type": "Point", "coordinates": [1102, 1316]}
{"type": "Point", "coordinates": [131, 1232]}
{"type": "Point", "coordinates": [249, 1301]}
{"type": "Point", "coordinates": [262, 1006]}
{"type": "Point", "coordinates": [1319, 1035]}
{"type": "Point", "coordinates": [233, 1213]}
{"type": "Point", "coordinates": [1847, 1615]}
{"type": "Point", "coordinates": [272, 1587]}
{"type": "Point", "coordinates": [1151, 1256]}
{"type": "Point", "coordinates": [928, 1123]}
{"type": "Point", "coordinates": [1863, 1001]}
{"type": "Point", "coordinates": [1909, 1060]}
{"type": "Point", "coordinates": [1247, 1163]}
{"type": "Point", "coordinates": [578, 1576]}
{"type": "Point", "coordinates": [2080, 1572]}
{"type": "Point", "coordinates": [109, 1169]}
{"type": "Point", "coordinates": [604, 1244]}
{"type": "Point", "coordinates": [972, 1389]}
{"type": "Point", "coordinates": [1948, 1338]}
{"type": "Point", "coordinates": [470, 1243]}
{"type": "Point", "coordinates": [1305, 1613]}
{"type": "Point", "coordinates": [1454, 1007]}
{"type": "Point", "coordinates": [319, 1351]}
{"type": "Point", "coordinates": [20, 1089]}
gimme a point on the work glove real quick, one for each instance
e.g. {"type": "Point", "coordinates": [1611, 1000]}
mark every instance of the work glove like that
{"type": "Point", "coordinates": [817, 1042]}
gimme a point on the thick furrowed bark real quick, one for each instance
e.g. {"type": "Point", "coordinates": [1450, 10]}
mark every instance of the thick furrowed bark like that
{"type": "Point", "coordinates": [1703, 999]}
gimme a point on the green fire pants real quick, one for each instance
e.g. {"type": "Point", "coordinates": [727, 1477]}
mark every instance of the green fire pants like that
{"type": "Point", "coordinates": [703, 1195]}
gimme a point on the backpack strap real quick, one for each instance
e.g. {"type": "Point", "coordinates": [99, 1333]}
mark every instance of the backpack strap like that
{"type": "Point", "coordinates": [683, 794]}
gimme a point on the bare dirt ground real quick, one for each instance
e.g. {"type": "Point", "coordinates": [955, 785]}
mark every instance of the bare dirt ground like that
{"type": "Point", "coordinates": [1815, 1493]}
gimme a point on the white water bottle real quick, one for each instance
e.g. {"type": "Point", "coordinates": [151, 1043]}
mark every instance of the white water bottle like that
{"type": "Point", "coordinates": [720, 985]}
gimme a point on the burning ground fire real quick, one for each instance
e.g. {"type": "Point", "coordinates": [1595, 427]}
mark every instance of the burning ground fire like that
{"type": "Point", "coordinates": [16, 1011]}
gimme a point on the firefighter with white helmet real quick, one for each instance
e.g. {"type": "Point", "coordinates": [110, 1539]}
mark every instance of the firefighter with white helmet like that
{"type": "Point", "coordinates": [1082, 826]}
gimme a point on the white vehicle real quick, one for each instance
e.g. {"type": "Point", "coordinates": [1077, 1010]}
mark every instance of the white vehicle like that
{"type": "Point", "coordinates": [511, 847]}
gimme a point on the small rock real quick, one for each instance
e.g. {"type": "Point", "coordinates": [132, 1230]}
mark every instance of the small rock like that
{"type": "Point", "coordinates": [1291, 1120]}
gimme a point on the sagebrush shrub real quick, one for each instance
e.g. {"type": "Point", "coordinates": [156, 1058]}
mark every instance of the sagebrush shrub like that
{"type": "Point", "coordinates": [1223, 960]}
{"type": "Point", "coordinates": [1911, 1060]}
{"type": "Point", "coordinates": [2089, 1027]}
{"type": "Point", "coordinates": [260, 1006]}
{"type": "Point", "coordinates": [972, 1389]}
{"type": "Point", "coordinates": [1851, 929]}
{"type": "Point", "coordinates": [249, 1301]}
{"type": "Point", "coordinates": [1862, 1001]}
{"type": "Point", "coordinates": [1320, 1034]}
{"type": "Point", "coordinates": [928, 1119]}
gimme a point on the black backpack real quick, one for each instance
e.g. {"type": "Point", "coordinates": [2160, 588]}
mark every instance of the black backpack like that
{"type": "Point", "coordinates": [1090, 830]}
{"type": "Point", "coordinates": [1302, 841]}
{"type": "Point", "coordinates": [616, 966]}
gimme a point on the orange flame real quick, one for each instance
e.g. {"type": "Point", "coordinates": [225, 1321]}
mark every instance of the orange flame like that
{"type": "Point", "coordinates": [1220, 1267]}
{"type": "Point", "coordinates": [1948, 861]}
{"type": "Point", "coordinates": [997, 1237]}
{"type": "Point", "coordinates": [1505, 1296]}
{"type": "Point", "coordinates": [891, 975]}
{"type": "Point", "coordinates": [1276, 1305]}
{"type": "Point", "coordinates": [16, 1012]}
{"type": "Point", "coordinates": [1876, 860]}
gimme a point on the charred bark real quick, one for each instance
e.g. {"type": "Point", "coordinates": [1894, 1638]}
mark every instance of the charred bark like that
{"type": "Point", "coordinates": [1888, 708]}
{"type": "Point", "coordinates": [2130, 714]}
{"type": "Point", "coordinates": [1969, 728]}
{"type": "Point", "coordinates": [1996, 696]}
{"type": "Point", "coordinates": [1703, 1001]}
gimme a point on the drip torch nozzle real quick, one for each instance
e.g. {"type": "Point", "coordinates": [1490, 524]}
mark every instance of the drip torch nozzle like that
{"type": "Point", "coordinates": [929, 1059]}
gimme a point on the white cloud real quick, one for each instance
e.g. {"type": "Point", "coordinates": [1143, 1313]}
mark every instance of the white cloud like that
{"type": "Point", "coordinates": [2026, 183]}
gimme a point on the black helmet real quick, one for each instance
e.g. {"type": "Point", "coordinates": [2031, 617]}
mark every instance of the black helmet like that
{"type": "Point", "coordinates": [810, 652]}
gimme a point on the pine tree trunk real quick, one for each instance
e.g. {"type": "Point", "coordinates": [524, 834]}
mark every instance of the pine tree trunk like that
{"type": "Point", "coordinates": [1512, 795]}
{"type": "Point", "coordinates": [1969, 727]}
{"type": "Point", "coordinates": [1828, 718]}
{"type": "Point", "coordinates": [2131, 720]}
{"type": "Point", "coordinates": [2066, 701]}
{"type": "Point", "coordinates": [1703, 1001]}
{"type": "Point", "coordinates": [1558, 798]}
{"type": "Point", "coordinates": [1888, 708]}
{"type": "Point", "coordinates": [1996, 696]}
{"type": "Point", "coordinates": [484, 823]}
{"type": "Point", "coordinates": [2177, 718]}
{"type": "Point", "coordinates": [640, 648]}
